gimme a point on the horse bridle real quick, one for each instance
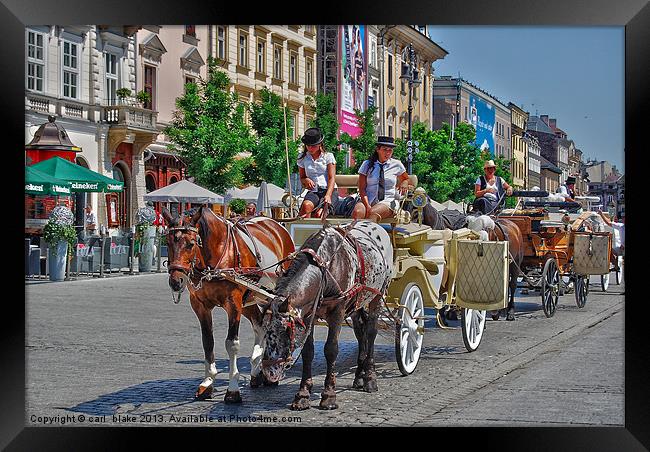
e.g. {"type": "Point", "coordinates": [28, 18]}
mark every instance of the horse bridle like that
{"type": "Point", "coordinates": [187, 270]}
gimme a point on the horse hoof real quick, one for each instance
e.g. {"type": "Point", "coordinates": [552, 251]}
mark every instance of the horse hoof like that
{"type": "Point", "coordinates": [270, 383]}
{"type": "Point", "coordinates": [370, 386]}
{"type": "Point", "coordinates": [300, 404]}
{"type": "Point", "coordinates": [328, 403]}
{"type": "Point", "coordinates": [496, 316]}
{"type": "Point", "coordinates": [204, 392]}
{"type": "Point", "coordinates": [256, 381]}
{"type": "Point", "coordinates": [358, 383]}
{"type": "Point", "coordinates": [232, 397]}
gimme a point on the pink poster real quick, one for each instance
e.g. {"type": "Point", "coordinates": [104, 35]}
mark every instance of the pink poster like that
{"type": "Point", "coordinates": [353, 83]}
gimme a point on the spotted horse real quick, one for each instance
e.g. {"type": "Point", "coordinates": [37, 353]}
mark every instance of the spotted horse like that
{"type": "Point", "coordinates": [338, 272]}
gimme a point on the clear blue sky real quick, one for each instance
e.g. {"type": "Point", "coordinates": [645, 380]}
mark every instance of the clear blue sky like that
{"type": "Point", "coordinates": [573, 74]}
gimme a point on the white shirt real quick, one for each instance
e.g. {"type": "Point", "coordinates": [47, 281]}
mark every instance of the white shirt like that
{"type": "Point", "coordinates": [316, 170]}
{"type": "Point", "coordinates": [90, 218]}
{"type": "Point", "coordinates": [562, 191]}
{"type": "Point", "coordinates": [488, 195]}
{"type": "Point", "coordinates": [393, 168]}
{"type": "Point", "coordinates": [620, 228]}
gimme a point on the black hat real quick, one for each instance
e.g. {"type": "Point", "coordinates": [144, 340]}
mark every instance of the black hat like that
{"type": "Point", "coordinates": [386, 141]}
{"type": "Point", "coordinates": [312, 136]}
{"type": "Point", "coordinates": [570, 180]}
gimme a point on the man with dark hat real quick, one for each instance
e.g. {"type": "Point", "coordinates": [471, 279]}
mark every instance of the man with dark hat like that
{"type": "Point", "coordinates": [381, 179]}
{"type": "Point", "coordinates": [317, 170]}
{"type": "Point", "coordinates": [568, 189]}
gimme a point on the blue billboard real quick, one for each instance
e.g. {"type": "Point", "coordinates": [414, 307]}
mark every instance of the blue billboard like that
{"type": "Point", "coordinates": [483, 118]}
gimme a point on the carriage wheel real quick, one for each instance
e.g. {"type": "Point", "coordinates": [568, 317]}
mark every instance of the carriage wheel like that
{"type": "Point", "coordinates": [409, 331]}
{"type": "Point", "coordinates": [604, 282]}
{"type": "Point", "coordinates": [473, 325]}
{"type": "Point", "coordinates": [550, 287]}
{"type": "Point", "coordinates": [619, 270]}
{"type": "Point", "coordinates": [582, 289]}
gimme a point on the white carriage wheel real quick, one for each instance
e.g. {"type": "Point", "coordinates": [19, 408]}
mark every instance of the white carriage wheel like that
{"type": "Point", "coordinates": [473, 325]}
{"type": "Point", "coordinates": [410, 329]}
{"type": "Point", "coordinates": [604, 282]}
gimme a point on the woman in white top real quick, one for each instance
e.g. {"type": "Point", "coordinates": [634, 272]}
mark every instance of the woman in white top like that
{"type": "Point", "coordinates": [317, 170]}
{"type": "Point", "coordinates": [380, 179]}
{"type": "Point", "coordinates": [489, 189]}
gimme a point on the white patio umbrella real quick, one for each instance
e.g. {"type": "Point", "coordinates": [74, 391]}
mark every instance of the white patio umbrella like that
{"type": "Point", "coordinates": [184, 191]}
{"type": "Point", "coordinates": [263, 200]}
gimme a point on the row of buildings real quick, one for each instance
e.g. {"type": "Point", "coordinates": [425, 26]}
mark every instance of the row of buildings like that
{"type": "Point", "coordinates": [77, 74]}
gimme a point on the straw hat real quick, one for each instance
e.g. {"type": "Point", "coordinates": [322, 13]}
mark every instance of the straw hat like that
{"type": "Point", "coordinates": [489, 164]}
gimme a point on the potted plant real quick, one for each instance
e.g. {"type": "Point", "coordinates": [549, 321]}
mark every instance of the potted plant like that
{"type": "Point", "coordinates": [58, 234]}
{"type": "Point", "coordinates": [145, 237]}
{"type": "Point", "coordinates": [143, 97]}
{"type": "Point", "coordinates": [122, 94]}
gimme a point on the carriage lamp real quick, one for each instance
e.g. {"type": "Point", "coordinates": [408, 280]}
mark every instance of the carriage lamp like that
{"type": "Point", "coordinates": [288, 199]}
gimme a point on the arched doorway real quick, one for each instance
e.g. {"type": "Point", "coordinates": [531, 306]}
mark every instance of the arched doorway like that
{"type": "Point", "coordinates": [119, 208]}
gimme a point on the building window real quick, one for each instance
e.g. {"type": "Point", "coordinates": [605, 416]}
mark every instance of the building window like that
{"type": "Point", "coordinates": [293, 68]}
{"type": "Point", "coordinates": [373, 52]}
{"type": "Point", "coordinates": [221, 42]}
{"type": "Point", "coordinates": [35, 61]}
{"type": "Point", "coordinates": [261, 56]}
{"type": "Point", "coordinates": [190, 30]}
{"type": "Point", "coordinates": [150, 85]}
{"type": "Point", "coordinates": [390, 70]}
{"type": "Point", "coordinates": [70, 69]}
{"type": "Point", "coordinates": [277, 62]}
{"type": "Point", "coordinates": [111, 66]}
{"type": "Point", "coordinates": [188, 80]}
{"type": "Point", "coordinates": [424, 88]}
{"type": "Point", "coordinates": [309, 73]}
{"type": "Point", "coordinates": [243, 50]}
{"type": "Point", "coordinates": [390, 130]}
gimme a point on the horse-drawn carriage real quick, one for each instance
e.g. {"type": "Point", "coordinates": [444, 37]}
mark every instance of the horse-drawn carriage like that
{"type": "Point", "coordinates": [235, 265]}
{"type": "Point", "coordinates": [559, 245]}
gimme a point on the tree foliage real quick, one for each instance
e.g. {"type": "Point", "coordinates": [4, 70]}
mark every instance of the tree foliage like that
{"type": "Point", "coordinates": [363, 145]}
{"type": "Point", "coordinates": [268, 152]}
{"type": "Point", "coordinates": [208, 130]}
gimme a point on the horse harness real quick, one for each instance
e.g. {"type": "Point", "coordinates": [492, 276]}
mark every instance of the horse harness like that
{"type": "Point", "coordinates": [208, 274]}
{"type": "Point", "coordinates": [352, 295]}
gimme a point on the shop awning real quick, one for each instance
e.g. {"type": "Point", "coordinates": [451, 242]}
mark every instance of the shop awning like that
{"type": "Point", "coordinates": [81, 179]}
{"type": "Point", "coordinates": [39, 183]}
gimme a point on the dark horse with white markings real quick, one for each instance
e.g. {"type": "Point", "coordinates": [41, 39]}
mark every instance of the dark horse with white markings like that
{"type": "Point", "coordinates": [203, 245]}
{"type": "Point", "coordinates": [338, 272]}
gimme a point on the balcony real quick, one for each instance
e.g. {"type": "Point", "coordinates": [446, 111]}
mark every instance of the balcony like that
{"type": "Point", "coordinates": [131, 116]}
{"type": "Point", "coordinates": [50, 105]}
{"type": "Point", "coordinates": [130, 123]}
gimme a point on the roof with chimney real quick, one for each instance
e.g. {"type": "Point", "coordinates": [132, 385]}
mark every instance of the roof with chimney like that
{"type": "Point", "coordinates": [536, 124]}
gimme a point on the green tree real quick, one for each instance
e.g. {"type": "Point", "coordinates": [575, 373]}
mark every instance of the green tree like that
{"type": "Point", "coordinates": [268, 152]}
{"type": "Point", "coordinates": [208, 130]}
{"type": "Point", "coordinates": [365, 144]}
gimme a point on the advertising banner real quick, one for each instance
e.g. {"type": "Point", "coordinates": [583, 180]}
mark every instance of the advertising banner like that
{"type": "Point", "coordinates": [352, 81]}
{"type": "Point", "coordinates": [483, 118]}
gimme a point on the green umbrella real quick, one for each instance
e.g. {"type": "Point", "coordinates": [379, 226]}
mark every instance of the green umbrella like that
{"type": "Point", "coordinates": [82, 179]}
{"type": "Point", "coordinates": [39, 183]}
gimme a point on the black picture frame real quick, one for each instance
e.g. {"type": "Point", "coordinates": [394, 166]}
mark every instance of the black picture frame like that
{"type": "Point", "coordinates": [633, 14]}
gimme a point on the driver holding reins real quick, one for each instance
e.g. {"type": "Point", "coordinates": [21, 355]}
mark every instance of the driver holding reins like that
{"type": "Point", "coordinates": [489, 189]}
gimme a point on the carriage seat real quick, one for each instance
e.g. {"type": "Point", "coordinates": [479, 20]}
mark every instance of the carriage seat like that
{"type": "Point", "coordinates": [351, 180]}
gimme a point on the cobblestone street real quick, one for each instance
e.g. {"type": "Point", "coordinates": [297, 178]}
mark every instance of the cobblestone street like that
{"type": "Point", "coordinates": [117, 351]}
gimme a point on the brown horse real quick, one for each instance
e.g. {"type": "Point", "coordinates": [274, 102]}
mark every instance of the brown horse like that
{"type": "Point", "coordinates": [200, 247]}
{"type": "Point", "coordinates": [506, 230]}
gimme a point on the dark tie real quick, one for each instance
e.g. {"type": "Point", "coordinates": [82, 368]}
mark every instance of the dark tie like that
{"type": "Point", "coordinates": [382, 190]}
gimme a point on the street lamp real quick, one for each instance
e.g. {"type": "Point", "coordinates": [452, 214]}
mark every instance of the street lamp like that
{"type": "Point", "coordinates": [410, 73]}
